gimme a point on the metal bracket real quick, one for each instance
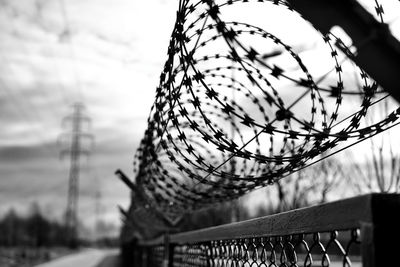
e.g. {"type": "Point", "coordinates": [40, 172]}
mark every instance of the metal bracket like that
{"type": "Point", "coordinates": [378, 51]}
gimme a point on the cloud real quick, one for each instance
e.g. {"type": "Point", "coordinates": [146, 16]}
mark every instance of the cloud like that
{"type": "Point", "coordinates": [110, 59]}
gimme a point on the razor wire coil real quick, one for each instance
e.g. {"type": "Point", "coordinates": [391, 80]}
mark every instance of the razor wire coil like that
{"type": "Point", "coordinates": [239, 107]}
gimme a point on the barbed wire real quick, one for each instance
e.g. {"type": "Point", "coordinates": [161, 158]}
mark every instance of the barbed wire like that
{"type": "Point", "coordinates": [240, 106]}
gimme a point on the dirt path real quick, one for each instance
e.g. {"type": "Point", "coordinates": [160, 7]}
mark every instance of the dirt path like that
{"type": "Point", "coordinates": [87, 258]}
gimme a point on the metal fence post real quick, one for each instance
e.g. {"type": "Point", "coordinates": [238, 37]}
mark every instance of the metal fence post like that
{"type": "Point", "coordinates": [209, 256]}
{"type": "Point", "coordinates": [145, 256]}
{"type": "Point", "coordinates": [171, 255]}
{"type": "Point", "coordinates": [381, 236]}
{"type": "Point", "coordinates": [167, 261]}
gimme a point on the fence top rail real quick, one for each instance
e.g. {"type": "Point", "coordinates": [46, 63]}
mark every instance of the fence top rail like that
{"type": "Point", "coordinates": [339, 215]}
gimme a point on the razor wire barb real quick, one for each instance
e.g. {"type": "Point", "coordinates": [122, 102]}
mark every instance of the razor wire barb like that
{"type": "Point", "coordinates": [244, 91]}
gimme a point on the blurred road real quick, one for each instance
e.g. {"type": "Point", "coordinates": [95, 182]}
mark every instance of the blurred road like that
{"type": "Point", "coordinates": [87, 258]}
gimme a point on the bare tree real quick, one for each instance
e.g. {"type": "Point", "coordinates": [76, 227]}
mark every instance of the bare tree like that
{"type": "Point", "coordinates": [305, 187]}
{"type": "Point", "coordinates": [377, 169]}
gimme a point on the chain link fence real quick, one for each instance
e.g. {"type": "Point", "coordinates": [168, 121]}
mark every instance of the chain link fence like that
{"type": "Point", "coordinates": [359, 231]}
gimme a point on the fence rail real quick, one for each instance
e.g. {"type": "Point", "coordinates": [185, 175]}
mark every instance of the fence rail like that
{"type": "Point", "coordinates": [360, 231]}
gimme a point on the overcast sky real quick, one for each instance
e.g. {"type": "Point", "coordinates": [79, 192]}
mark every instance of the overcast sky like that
{"type": "Point", "coordinates": [107, 54]}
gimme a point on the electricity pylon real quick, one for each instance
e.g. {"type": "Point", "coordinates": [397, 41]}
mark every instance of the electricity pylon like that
{"type": "Point", "coordinates": [76, 144]}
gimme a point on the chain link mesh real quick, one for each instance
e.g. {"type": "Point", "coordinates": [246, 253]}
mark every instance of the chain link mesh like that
{"type": "Point", "coordinates": [335, 248]}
